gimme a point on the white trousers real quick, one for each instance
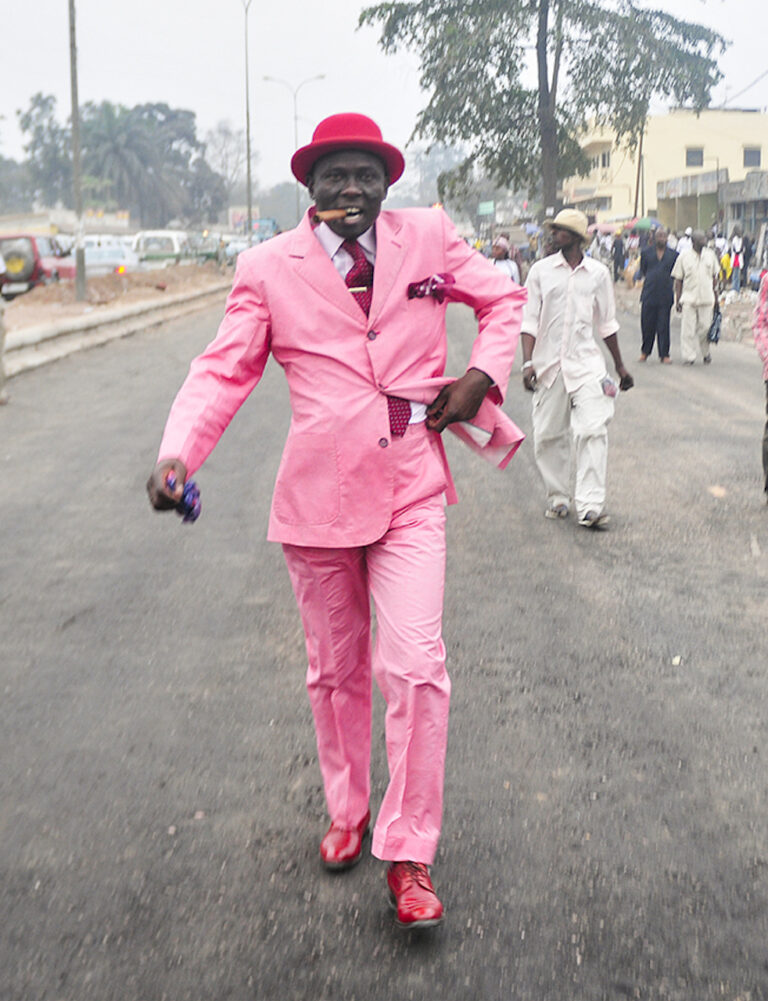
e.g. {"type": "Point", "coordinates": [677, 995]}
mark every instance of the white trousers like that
{"type": "Point", "coordinates": [575, 422]}
{"type": "Point", "coordinates": [694, 329]}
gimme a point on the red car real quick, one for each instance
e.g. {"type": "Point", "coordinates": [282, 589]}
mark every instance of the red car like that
{"type": "Point", "coordinates": [31, 260]}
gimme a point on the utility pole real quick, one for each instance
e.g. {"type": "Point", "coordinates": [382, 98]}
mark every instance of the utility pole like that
{"type": "Point", "coordinates": [246, 5]}
{"type": "Point", "coordinates": [639, 167]}
{"type": "Point", "coordinates": [295, 93]}
{"type": "Point", "coordinates": [76, 186]}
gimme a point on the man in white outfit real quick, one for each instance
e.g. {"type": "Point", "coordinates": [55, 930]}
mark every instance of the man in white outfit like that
{"type": "Point", "coordinates": [564, 367]}
{"type": "Point", "coordinates": [695, 274]}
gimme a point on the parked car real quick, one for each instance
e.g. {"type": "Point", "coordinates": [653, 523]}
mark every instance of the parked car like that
{"type": "Point", "coordinates": [235, 247]}
{"type": "Point", "coordinates": [109, 259]}
{"type": "Point", "coordinates": [161, 247]}
{"type": "Point", "coordinates": [31, 259]}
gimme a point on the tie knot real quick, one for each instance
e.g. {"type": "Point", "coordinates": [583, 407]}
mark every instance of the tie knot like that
{"type": "Point", "coordinates": [355, 251]}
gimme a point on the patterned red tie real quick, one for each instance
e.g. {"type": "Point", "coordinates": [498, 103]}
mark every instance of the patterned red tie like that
{"type": "Point", "coordinates": [360, 283]}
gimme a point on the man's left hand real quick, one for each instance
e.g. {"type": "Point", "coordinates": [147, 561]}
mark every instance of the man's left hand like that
{"type": "Point", "coordinates": [625, 379]}
{"type": "Point", "coordinates": [458, 401]}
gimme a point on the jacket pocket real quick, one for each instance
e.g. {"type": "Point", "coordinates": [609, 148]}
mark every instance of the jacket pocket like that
{"type": "Point", "coordinates": [307, 488]}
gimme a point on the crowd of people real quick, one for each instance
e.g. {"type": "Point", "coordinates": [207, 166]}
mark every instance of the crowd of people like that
{"type": "Point", "coordinates": [622, 249]}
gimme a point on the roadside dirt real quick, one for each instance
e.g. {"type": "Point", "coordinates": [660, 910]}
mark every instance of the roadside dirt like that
{"type": "Point", "coordinates": [49, 303]}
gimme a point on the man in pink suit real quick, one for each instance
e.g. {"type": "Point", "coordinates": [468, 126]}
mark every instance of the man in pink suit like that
{"type": "Point", "coordinates": [352, 305]}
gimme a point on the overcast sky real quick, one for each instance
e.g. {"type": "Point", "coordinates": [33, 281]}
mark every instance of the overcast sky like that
{"type": "Point", "coordinates": [190, 54]}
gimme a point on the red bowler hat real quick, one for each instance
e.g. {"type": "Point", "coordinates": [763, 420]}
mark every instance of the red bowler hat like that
{"type": "Point", "coordinates": [347, 131]}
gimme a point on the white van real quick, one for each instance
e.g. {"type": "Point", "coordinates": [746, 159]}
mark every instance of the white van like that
{"type": "Point", "coordinates": [161, 247]}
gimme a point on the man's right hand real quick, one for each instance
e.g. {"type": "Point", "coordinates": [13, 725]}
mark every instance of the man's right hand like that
{"type": "Point", "coordinates": [529, 378]}
{"type": "Point", "coordinates": [161, 496]}
{"type": "Point", "coordinates": [678, 307]}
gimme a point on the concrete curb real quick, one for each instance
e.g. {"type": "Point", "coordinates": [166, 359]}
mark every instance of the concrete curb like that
{"type": "Point", "coordinates": [31, 347]}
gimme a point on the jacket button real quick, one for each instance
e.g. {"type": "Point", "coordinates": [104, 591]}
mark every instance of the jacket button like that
{"type": "Point", "coordinates": [383, 442]}
{"type": "Point", "coordinates": [372, 335]}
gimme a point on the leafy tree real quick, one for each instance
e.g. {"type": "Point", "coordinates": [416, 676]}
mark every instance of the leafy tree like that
{"type": "Point", "coordinates": [225, 152]}
{"type": "Point", "coordinates": [15, 186]}
{"type": "Point", "coordinates": [48, 150]}
{"type": "Point", "coordinates": [206, 193]}
{"type": "Point", "coordinates": [601, 58]}
{"type": "Point", "coordinates": [120, 150]}
{"type": "Point", "coordinates": [147, 159]}
{"type": "Point", "coordinates": [152, 161]}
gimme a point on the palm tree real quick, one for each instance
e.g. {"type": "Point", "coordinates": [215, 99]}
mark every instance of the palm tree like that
{"type": "Point", "coordinates": [124, 147]}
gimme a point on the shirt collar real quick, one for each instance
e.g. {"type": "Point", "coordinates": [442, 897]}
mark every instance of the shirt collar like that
{"type": "Point", "coordinates": [331, 242]}
{"type": "Point", "coordinates": [560, 262]}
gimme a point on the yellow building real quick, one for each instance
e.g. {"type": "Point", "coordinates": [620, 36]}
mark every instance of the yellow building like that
{"type": "Point", "coordinates": [722, 143]}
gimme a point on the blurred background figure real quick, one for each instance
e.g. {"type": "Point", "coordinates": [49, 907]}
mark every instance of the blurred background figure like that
{"type": "Point", "coordinates": [656, 263]}
{"type": "Point", "coordinates": [619, 254]}
{"type": "Point", "coordinates": [502, 260]}
{"type": "Point", "coordinates": [737, 257]}
{"type": "Point", "coordinates": [760, 330]}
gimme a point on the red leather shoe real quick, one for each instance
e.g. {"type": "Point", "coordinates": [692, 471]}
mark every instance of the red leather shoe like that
{"type": "Point", "coordinates": [342, 846]}
{"type": "Point", "coordinates": [412, 895]}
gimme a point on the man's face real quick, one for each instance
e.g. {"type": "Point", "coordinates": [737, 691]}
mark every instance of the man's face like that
{"type": "Point", "coordinates": [349, 179]}
{"type": "Point", "coordinates": [564, 239]}
{"type": "Point", "coordinates": [699, 240]}
{"type": "Point", "coordinates": [661, 238]}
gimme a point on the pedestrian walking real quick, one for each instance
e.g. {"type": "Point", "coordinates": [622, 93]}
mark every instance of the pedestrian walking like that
{"type": "Point", "coordinates": [737, 258]}
{"type": "Point", "coordinates": [685, 242]}
{"type": "Point", "coordinates": [760, 330]}
{"type": "Point", "coordinates": [746, 259]}
{"type": "Point", "coordinates": [573, 396]}
{"type": "Point", "coordinates": [695, 273]}
{"type": "Point", "coordinates": [619, 254]}
{"type": "Point", "coordinates": [657, 296]}
{"type": "Point", "coordinates": [351, 304]}
{"type": "Point", "coordinates": [502, 260]}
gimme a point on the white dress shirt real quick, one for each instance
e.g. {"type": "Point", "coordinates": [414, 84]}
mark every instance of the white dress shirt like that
{"type": "Point", "coordinates": [564, 307]}
{"type": "Point", "coordinates": [332, 244]}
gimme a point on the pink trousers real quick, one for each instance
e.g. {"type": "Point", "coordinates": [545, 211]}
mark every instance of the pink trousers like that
{"type": "Point", "coordinates": [404, 573]}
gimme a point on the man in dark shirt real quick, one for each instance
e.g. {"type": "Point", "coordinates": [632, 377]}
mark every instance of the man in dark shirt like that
{"type": "Point", "coordinates": [619, 255]}
{"type": "Point", "coordinates": [656, 263]}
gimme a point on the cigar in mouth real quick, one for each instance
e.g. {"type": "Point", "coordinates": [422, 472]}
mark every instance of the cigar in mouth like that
{"type": "Point", "coordinates": [331, 215]}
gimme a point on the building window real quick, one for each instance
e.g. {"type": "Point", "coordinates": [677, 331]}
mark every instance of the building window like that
{"type": "Point", "coordinates": [605, 158]}
{"type": "Point", "coordinates": [694, 156]}
{"type": "Point", "coordinates": [751, 156]}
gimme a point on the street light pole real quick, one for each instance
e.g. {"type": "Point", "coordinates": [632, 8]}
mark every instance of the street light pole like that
{"type": "Point", "coordinates": [295, 92]}
{"type": "Point", "coordinates": [76, 186]}
{"type": "Point", "coordinates": [246, 5]}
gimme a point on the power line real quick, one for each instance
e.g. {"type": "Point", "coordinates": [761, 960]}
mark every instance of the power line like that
{"type": "Point", "coordinates": [748, 87]}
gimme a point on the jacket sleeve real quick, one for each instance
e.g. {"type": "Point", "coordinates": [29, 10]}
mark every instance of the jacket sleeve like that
{"type": "Point", "coordinates": [497, 303]}
{"type": "Point", "coordinates": [220, 378]}
{"type": "Point", "coordinates": [760, 324]}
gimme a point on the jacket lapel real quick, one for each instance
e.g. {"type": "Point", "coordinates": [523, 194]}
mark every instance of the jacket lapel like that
{"type": "Point", "coordinates": [390, 255]}
{"type": "Point", "coordinates": [314, 266]}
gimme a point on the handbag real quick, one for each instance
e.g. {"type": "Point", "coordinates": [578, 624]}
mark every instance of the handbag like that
{"type": "Point", "coordinates": [713, 335]}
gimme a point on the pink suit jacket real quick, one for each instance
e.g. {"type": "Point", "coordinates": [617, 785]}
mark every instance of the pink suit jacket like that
{"type": "Point", "coordinates": [334, 484]}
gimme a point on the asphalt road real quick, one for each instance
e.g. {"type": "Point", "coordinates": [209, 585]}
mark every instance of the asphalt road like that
{"type": "Point", "coordinates": [160, 811]}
